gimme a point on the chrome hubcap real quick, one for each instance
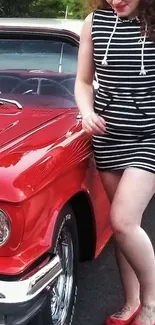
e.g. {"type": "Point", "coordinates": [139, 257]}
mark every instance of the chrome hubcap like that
{"type": "Point", "coordinates": [61, 292]}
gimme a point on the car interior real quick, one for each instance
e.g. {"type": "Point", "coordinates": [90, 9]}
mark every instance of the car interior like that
{"type": "Point", "coordinates": [31, 67]}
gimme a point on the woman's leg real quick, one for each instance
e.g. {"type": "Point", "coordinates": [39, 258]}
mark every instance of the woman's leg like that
{"type": "Point", "coordinates": [110, 181]}
{"type": "Point", "coordinates": [133, 194]}
{"type": "Point", "coordinates": [130, 284]}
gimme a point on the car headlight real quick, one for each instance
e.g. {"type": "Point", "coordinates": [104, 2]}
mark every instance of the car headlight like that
{"type": "Point", "coordinates": [5, 227]}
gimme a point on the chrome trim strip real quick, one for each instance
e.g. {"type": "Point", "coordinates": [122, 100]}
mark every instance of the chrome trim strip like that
{"type": "Point", "coordinates": [25, 290]}
{"type": "Point", "coordinates": [11, 101]}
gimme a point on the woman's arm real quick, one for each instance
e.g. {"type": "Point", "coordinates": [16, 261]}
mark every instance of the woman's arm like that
{"type": "Point", "coordinates": [92, 123]}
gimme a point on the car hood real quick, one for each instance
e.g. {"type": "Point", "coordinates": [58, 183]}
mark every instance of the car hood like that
{"type": "Point", "coordinates": [15, 123]}
{"type": "Point", "coordinates": [37, 145]}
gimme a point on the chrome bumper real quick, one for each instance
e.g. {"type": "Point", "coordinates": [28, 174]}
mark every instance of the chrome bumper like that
{"type": "Point", "coordinates": [25, 290]}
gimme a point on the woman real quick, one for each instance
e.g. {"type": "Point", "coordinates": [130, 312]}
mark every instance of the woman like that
{"type": "Point", "coordinates": [118, 44]}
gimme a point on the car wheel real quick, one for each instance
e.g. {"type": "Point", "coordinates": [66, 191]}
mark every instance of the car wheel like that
{"type": "Point", "coordinates": [60, 305]}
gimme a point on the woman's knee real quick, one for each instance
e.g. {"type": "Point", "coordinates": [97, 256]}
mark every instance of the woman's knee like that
{"type": "Point", "coordinates": [121, 221]}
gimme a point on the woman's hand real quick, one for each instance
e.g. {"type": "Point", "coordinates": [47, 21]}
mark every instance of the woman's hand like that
{"type": "Point", "coordinates": [92, 123]}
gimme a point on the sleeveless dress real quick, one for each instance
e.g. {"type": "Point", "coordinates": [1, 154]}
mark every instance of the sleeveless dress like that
{"type": "Point", "coordinates": [125, 69]}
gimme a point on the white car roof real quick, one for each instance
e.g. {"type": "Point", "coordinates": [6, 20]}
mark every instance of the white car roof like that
{"type": "Point", "coordinates": [73, 25]}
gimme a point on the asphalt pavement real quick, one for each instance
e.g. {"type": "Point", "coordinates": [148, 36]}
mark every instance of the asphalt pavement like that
{"type": "Point", "coordinates": [100, 291]}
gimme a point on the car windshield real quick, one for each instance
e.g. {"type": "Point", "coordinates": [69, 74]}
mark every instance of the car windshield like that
{"type": "Point", "coordinates": [38, 72]}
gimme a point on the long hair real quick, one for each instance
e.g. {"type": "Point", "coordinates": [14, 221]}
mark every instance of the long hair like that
{"type": "Point", "coordinates": [146, 14]}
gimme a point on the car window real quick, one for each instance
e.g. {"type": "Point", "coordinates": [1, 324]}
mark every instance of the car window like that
{"type": "Point", "coordinates": [44, 69]}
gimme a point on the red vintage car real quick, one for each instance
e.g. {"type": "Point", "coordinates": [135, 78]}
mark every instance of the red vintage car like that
{"type": "Point", "coordinates": [53, 208]}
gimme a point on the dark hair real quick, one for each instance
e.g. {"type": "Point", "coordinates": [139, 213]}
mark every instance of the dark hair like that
{"type": "Point", "coordinates": [146, 14]}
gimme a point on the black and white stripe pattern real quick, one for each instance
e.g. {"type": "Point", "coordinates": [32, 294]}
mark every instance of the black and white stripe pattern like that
{"type": "Point", "coordinates": [125, 98]}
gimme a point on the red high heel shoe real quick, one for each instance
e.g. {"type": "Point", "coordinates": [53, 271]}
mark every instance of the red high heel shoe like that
{"type": "Point", "coordinates": [117, 321]}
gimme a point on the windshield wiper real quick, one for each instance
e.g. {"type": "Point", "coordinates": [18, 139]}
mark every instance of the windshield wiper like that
{"type": "Point", "coordinates": [10, 101]}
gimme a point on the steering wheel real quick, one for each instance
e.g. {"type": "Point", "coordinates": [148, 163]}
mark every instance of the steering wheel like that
{"type": "Point", "coordinates": [7, 83]}
{"type": "Point", "coordinates": [69, 83]}
{"type": "Point", "coordinates": [42, 86]}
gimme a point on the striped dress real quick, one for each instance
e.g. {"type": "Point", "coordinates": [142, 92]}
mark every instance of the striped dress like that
{"type": "Point", "coordinates": [125, 69]}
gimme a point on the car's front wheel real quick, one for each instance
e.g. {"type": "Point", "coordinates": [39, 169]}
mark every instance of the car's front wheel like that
{"type": "Point", "coordinates": [60, 305]}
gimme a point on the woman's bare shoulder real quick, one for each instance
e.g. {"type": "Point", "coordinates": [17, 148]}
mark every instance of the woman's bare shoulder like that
{"type": "Point", "coordinates": [89, 18]}
{"type": "Point", "coordinates": [87, 26]}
